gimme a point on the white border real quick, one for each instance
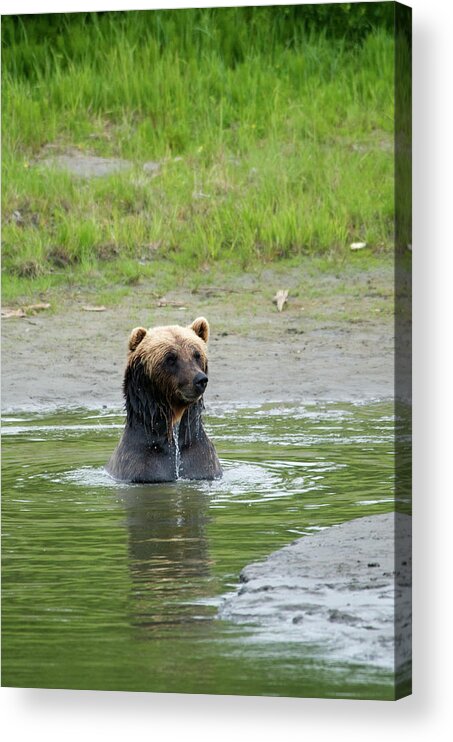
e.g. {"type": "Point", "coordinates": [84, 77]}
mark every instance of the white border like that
{"type": "Point", "coordinates": [75, 715]}
{"type": "Point", "coordinates": [52, 6]}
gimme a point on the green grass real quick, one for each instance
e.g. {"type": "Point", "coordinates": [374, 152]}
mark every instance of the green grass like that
{"type": "Point", "coordinates": [271, 146]}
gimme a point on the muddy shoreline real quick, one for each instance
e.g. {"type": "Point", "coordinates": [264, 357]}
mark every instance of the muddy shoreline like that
{"type": "Point", "coordinates": [345, 589]}
{"type": "Point", "coordinates": [331, 346]}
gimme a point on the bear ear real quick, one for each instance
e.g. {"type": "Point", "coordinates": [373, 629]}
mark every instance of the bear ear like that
{"type": "Point", "coordinates": [136, 337]}
{"type": "Point", "coordinates": [200, 327]}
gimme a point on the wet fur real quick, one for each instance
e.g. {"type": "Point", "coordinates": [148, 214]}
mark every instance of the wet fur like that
{"type": "Point", "coordinates": [159, 407]}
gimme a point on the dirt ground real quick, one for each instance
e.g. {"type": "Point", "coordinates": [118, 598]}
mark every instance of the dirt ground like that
{"type": "Point", "coordinates": [334, 340]}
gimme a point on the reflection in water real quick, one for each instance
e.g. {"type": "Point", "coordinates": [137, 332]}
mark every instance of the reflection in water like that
{"type": "Point", "coordinates": [168, 551]}
{"type": "Point", "coordinates": [94, 569]}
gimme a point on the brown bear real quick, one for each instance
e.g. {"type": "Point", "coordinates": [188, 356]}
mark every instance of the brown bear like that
{"type": "Point", "coordinates": [164, 382]}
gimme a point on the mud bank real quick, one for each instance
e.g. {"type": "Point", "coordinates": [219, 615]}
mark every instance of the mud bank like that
{"type": "Point", "coordinates": [312, 350]}
{"type": "Point", "coordinates": [345, 593]}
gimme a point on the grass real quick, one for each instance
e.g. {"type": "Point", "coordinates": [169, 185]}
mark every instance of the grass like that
{"type": "Point", "coordinates": [270, 146]}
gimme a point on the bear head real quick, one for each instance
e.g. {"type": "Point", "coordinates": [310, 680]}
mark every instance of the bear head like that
{"type": "Point", "coordinates": [168, 366]}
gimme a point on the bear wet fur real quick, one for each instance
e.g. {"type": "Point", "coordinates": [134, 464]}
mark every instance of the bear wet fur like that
{"type": "Point", "coordinates": [164, 381]}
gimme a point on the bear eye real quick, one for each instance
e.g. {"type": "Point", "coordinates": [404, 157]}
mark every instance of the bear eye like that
{"type": "Point", "coordinates": [197, 355]}
{"type": "Point", "coordinates": [171, 359]}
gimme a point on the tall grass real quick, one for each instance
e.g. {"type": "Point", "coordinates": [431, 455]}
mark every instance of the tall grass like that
{"type": "Point", "coordinates": [274, 140]}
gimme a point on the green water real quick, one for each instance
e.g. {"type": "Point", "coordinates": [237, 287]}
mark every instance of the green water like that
{"type": "Point", "coordinates": [116, 587]}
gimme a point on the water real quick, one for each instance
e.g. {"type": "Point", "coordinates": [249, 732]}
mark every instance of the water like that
{"type": "Point", "coordinates": [113, 586]}
{"type": "Point", "coordinates": [177, 451]}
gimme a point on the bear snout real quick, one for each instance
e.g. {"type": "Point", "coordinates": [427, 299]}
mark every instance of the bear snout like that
{"type": "Point", "coordinates": [200, 381]}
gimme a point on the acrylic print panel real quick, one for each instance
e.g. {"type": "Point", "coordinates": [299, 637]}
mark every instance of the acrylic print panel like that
{"type": "Point", "coordinates": [250, 166]}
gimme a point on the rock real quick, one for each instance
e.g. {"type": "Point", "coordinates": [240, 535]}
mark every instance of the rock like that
{"type": "Point", "coordinates": [86, 166]}
{"type": "Point", "coordinates": [18, 218]}
{"type": "Point", "coordinates": [280, 299]}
